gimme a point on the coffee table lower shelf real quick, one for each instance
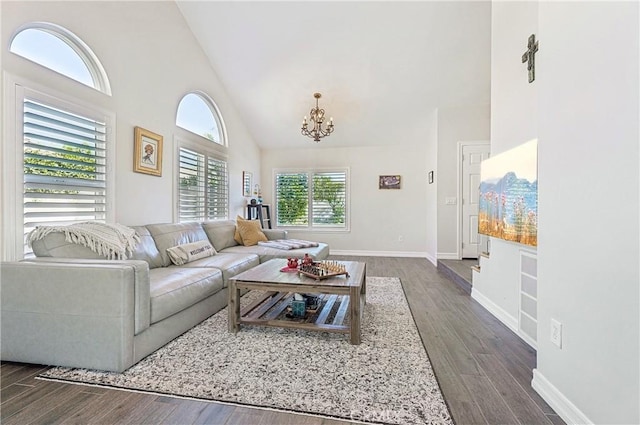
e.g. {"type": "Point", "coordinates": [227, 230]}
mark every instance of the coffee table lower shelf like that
{"type": "Point", "coordinates": [270, 309]}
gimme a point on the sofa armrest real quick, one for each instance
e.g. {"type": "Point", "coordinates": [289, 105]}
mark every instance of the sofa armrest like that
{"type": "Point", "coordinates": [273, 234]}
{"type": "Point", "coordinates": [142, 287]}
{"type": "Point", "coordinates": [67, 312]}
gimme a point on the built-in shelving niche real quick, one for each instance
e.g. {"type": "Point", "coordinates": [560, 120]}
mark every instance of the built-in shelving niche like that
{"type": "Point", "coordinates": [528, 317]}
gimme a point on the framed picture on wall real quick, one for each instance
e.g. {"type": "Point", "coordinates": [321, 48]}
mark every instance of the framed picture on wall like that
{"type": "Point", "coordinates": [147, 152]}
{"type": "Point", "coordinates": [247, 183]}
{"type": "Point", "coordinates": [389, 182]}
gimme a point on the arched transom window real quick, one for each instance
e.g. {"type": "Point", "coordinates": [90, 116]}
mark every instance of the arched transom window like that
{"type": "Point", "coordinates": [198, 114]}
{"type": "Point", "coordinates": [58, 49]}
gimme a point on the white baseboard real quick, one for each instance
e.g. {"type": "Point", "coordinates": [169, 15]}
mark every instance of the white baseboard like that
{"type": "Point", "coordinates": [493, 308]}
{"type": "Point", "coordinates": [561, 404]}
{"type": "Point", "coordinates": [431, 258]}
{"type": "Point", "coordinates": [380, 253]}
{"type": "Point", "coordinates": [448, 256]}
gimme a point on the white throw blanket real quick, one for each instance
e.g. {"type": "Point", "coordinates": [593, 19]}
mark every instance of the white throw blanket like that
{"type": "Point", "coordinates": [114, 241]}
{"type": "Point", "coordinates": [288, 244]}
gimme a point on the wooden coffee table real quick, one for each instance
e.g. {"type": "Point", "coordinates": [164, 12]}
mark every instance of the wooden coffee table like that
{"type": "Point", "coordinates": [343, 299]}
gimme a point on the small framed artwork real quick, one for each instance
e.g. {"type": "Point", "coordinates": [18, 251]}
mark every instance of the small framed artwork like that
{"type": "Point", "coordinates": [389, 182]}
{"type": "Point", "coordinates": [147, 152]}
{"type": "Point", "coordinates": [430, 177]}
{"type": "Point", "coordinates": [247, 183]}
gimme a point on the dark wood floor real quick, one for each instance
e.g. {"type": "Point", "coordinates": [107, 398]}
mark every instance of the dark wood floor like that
{"type": "Point", "coordinates": [483, 368]}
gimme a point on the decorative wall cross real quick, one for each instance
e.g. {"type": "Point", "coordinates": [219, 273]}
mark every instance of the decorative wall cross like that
{"type": "Point", "coordinates": [529, 57]}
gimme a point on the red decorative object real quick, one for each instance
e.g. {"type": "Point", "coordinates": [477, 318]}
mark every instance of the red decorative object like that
{"type": "Point", "coordinates": [292, 263]}
{"type": "Point", "coordinates": [307, 261]}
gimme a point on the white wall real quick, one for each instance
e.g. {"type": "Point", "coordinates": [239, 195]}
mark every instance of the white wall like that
{"type": "Point", "coordinates": [378, 217]}
{"type": "Point", "coordinates": [152, 60]}
{"type": "Point", "coordinates": [588, 203]}
{"type": "Point", "coordinates": [583, 109]}
{"type": "Point", "coordinates": [465, 123]}
{"type": "Point", "coordinates": [513, 122]}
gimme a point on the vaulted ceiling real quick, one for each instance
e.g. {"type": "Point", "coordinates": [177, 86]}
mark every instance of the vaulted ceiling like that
{"type": "Point", "coordinates": [382, 67]}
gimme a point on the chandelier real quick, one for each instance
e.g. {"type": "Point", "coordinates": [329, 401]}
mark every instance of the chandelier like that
{"type": "Point", "coordinates": [317, 118]}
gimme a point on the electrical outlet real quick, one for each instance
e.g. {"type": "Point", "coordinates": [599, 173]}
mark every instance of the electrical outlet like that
{"type": "Point", "coordinates": [450, 201]}
{"type": "Point", "coordinates": [556, 333]}
{"type": "Point", "coordinates": [400, 238]}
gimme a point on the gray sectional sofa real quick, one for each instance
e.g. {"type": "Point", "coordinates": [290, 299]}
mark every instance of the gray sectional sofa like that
{"type": "Point", "coordinates": [71, 307]}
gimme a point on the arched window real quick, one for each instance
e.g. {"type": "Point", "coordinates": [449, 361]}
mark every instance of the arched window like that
{"type": "Point", "coordinates": [58, 49]}
{"type": "Point", "coordinates": [198, 114]}
{"type": "Point", "coordinates": [203, 177]}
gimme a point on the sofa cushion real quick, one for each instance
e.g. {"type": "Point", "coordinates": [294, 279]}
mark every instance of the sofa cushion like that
{"type": "Point", "coordinates": [321, 252]}
{"type": "Point", "coordinates": [175, 288]}
{"type": "Point", "coordinates": [250, 232]}
{"type": "Point", "coordinates": [173, 234]}
{"type": "Point", "coordinates": [220, 233]}
{"type": "Point", "coordinates": [146, 249]}
{"type": "Point", "coordinates": [229, 264]}
{"type": "Point", "coordinates": [56, 245]}
{"type": "Point", "coordinates": [183, 254]}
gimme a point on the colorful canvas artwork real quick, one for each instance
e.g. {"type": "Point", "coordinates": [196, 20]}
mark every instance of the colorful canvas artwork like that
{"type": "Point", "coordinates": [509, 195]}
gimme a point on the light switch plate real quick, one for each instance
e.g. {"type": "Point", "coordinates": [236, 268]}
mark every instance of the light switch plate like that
{"type": "Point", "coordinates": [556, 333]}
{"type": "Point", "coordinates": [450, 201]}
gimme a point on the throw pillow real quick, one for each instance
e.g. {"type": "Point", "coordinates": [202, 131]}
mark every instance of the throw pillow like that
{"type": "Point", "coordinates": [251, 232]}
{"type": "Point", "coordinates": [237, 237]}
{"type": "Point", "coordinates": [187, 253]}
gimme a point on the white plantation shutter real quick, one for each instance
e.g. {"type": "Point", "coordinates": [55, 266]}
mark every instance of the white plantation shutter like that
{"type": "Point", "coordinates": [292, 198]}
{"type": "Point", "coordinates": [191, 192]}
{"type": "Point", "coordinates": [203, 187]}
{"type": "Point", "coordinates": [311, 199]}
{"type": "Point", "coordinates": [217, 190]}
{"type": "Point", "coordinates": [329, 199]}
{"type": "Point", "coordinates": [64, 166]}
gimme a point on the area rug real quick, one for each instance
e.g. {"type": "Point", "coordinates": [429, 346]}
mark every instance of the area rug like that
{"type": "Point", "coordinates": [386, 379]}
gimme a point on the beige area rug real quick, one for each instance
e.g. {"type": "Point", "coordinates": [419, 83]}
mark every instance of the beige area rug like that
{"type": "Point", "coordinates": [386, 379]}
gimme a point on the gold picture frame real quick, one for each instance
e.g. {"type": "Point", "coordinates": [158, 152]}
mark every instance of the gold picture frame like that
{"type": "Point", "coordinates": [147, 152]}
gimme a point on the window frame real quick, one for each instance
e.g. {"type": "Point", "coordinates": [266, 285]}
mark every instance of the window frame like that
{"type": "Point", "coordinates": [310, 173]}
{"type": "Point", "coordinates": [217, 117]}
{"type": "Point", "coordinates": [205, 147]}
{"type": "Point", "coordinates": [84, 52]}
{"type": "Point", "coordinates": [12, 159]}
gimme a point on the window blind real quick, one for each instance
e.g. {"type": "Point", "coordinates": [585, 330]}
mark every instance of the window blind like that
{"type": "Point", "coordinates": [329, 199]}
{"type": "Point", "coordinates": [64, 166]}
{"type": "Point", "coordinates": [203, 188]}
{"type": "Point", "coordinates": [316, 199]}
{"type": "Point", "coordinates": [292, 196]}
{"type": "Point", "coordinates": [217, 190]}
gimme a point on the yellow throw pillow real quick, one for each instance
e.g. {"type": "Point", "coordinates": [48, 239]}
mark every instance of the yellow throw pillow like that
{"type": "Point", "coordinates": [237, 237]}
{"type": "Point", "coordinates": [250, 232]}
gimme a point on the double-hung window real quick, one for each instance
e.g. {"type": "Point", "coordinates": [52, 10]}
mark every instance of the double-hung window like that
{"type": "Point", "coordinates": [312, 199]}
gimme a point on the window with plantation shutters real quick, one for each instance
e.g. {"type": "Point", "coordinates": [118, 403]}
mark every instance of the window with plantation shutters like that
{"type": "Point", "coordinates": [65, 166]}
{"type": "Point", "coordinates": [203, 177]}
{"type": "Point", "coordinates": [315, 199]}
{"type": "Point", "coordinates": [203, 192]}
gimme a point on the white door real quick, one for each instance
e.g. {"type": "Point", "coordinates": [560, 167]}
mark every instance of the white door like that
{"type": "Point", "coordinates": [472, 156]}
